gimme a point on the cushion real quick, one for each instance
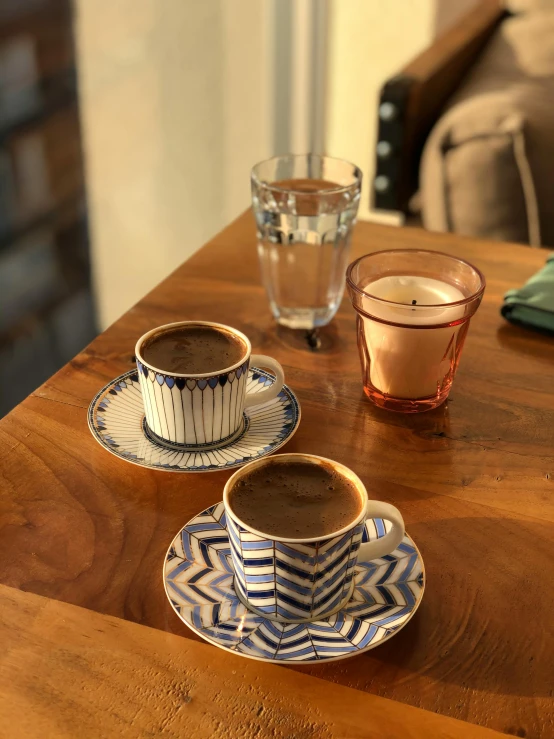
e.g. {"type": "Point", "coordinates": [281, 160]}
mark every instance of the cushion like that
{"type": "Point", "coordinates": [528, 6]}
{"type": "Point", "coordinates": [488, 165]}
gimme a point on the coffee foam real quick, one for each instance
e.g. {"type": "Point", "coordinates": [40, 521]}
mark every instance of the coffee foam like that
{"type": "Point", "coordinates": [301, 500]}
{"type": "Point", "coordinates": [193, 349]}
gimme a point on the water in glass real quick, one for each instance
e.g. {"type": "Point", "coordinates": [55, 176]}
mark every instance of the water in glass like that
{"type": "Point", "coordinates": [304, 227]}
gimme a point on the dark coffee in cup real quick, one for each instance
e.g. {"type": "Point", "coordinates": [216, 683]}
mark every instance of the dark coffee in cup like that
{"type": "Point", "coordinates": [296, 499]}
{"type": "Point", "coordinates": [193, 350]}
{"type": "Point", "coordinates": [194, 380]}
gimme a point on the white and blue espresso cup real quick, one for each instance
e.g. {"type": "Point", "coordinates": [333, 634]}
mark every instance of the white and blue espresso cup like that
{"type": "Point", "coordinates": [300, 580]}
{"type": "Point", "coordinates": [202, 411]}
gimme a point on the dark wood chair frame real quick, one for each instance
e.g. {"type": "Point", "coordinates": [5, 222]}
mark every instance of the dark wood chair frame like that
{"type": "Point", "coordinates": [411, 102]}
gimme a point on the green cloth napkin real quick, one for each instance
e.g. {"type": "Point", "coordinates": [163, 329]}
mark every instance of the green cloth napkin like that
{"type": "Point", "coordinates": [532, 306]}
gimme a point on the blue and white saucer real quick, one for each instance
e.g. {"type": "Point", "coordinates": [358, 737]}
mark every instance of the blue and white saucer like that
{"type": "Point", "coordinates": [198, 580]}
{"type": "Point", "coordinates": [116, 416]}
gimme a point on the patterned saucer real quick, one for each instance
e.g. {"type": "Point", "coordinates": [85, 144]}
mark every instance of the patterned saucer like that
{"type": "Point", "coordinates": [198, 580]}
{"type": "Point", "coordinates": [116, 416]}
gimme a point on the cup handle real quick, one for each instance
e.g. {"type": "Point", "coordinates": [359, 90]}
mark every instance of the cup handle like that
{"type": "Point", "coordinates": [261, 360]}
{"type": "Point", "coordinates": [388, 543]}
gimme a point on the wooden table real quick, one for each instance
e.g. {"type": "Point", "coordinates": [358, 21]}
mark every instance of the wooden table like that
{"type": "Point", "coordinates": [474, 480]}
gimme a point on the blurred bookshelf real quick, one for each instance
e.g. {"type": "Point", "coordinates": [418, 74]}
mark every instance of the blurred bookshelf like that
{"type": "Point", "coordinates": [46, 306]}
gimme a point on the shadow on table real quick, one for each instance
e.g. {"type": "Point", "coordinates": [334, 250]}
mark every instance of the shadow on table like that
{"type": "Point", "coordinates": [485, 619]}
{"type": "Point", "coordinates": [526, 341]}
{"type": "Point", "coordinates": [318, 340]}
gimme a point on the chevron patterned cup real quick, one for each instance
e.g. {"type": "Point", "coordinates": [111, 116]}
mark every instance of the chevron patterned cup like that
{"type": "Point", "coordinates": [202, 411]}
{"type": "Point", "coordinates": [300, 580]}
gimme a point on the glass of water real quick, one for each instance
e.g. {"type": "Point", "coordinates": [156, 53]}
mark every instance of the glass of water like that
{"type": "Point", "coordinates": [305, 207]}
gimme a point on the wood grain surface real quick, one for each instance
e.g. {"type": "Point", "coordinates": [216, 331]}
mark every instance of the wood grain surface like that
{"type": "Point", "coordinates": [474, 480]}
{"type": "Point", "coordinates": [104, 677]}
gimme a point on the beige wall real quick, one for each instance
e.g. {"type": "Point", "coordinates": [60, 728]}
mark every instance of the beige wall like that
{"type": "Point", "coordinates": [368, 42]}
{"type": "Point", "coordinates": [177, 100]}
{"type": "Point", "coordinates": [174, 104]}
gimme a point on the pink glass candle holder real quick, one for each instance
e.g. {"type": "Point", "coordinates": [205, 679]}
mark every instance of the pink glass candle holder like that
{"type": "Point", "coordinates": [414, 308]}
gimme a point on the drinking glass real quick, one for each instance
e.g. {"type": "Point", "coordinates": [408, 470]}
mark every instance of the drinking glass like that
{"type": "Point", "coordinates": [305, 207]}
{"type": "Point", "coordinates": [414, 308]}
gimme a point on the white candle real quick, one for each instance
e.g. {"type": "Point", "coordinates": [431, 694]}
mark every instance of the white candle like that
{"type": "Point", "coordinates": [411, 362]}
